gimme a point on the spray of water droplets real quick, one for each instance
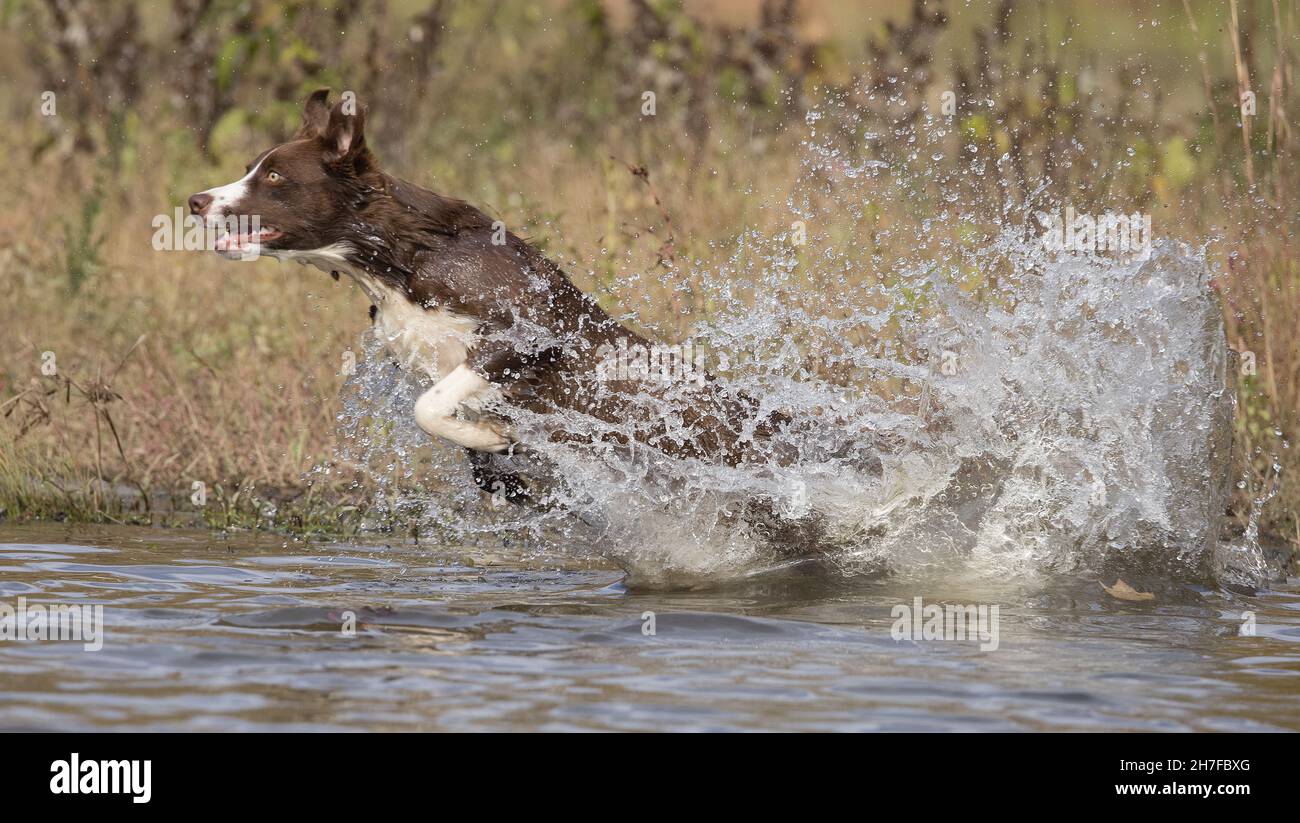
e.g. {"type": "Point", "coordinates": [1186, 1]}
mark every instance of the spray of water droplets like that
{"type": "Point", "coordinates": [1067, 413]}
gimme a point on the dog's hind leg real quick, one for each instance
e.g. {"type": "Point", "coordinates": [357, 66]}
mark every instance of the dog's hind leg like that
{"type": "Point", "coordinates": [437, 413]}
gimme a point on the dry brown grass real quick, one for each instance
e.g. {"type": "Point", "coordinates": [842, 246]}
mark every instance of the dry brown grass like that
{"type": "Point", "coordinates": [236, 382]}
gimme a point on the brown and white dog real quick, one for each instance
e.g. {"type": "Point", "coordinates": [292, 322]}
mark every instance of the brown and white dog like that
{"type": "Point", "coordinates": [475, 308]}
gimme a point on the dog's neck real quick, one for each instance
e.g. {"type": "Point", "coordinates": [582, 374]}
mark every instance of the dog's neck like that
{"type": "Point", "coordinates": [394, 221]}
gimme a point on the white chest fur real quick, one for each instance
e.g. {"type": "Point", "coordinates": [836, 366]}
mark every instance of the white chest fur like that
{"type": "Point", "coordinates": [428, 339]}
{"type": "Point", "coordinates": [432, 340]}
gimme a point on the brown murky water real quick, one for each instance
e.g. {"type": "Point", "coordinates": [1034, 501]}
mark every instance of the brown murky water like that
{"type": "Point", "coordinates": [205, 632]}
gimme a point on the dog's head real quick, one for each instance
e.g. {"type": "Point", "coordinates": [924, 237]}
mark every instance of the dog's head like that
{"type": "Point", "coordinates": [297, 195]}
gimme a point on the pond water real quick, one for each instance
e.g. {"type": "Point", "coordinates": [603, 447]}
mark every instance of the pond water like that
{"type": "Point", "coordinates": [247, 632]}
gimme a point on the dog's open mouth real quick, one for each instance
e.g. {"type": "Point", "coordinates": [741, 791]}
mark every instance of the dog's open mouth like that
{"type": "Point", "coordinates": [245, 241]}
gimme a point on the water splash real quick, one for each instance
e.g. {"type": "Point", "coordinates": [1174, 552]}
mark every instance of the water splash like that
{"type": "Point", "coordinates": [1022, 412]}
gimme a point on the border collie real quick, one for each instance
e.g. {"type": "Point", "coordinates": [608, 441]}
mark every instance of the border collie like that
{"type": "Point", "coordinates": [475, 308]}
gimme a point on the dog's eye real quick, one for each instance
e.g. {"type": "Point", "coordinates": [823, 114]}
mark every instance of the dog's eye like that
{"type": "Point", "coordinates": [274, 177]}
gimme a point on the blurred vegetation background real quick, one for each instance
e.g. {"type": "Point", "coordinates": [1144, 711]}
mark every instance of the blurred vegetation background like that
{"type": "Point", "coordinates": [174, 368]}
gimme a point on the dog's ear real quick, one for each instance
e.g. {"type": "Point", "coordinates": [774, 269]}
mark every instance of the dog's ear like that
{"type": "Point", "coordinates": [315, 115]}
{"type": "Point", "coordinates": [344, 135]}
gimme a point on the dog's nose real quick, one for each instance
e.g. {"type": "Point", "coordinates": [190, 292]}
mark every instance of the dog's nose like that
{"type": "Point", "coordinates": [199, 202]}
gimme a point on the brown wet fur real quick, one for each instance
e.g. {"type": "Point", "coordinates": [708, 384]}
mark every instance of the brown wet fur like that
{"type": "Point", "coordinates": [439, 252]}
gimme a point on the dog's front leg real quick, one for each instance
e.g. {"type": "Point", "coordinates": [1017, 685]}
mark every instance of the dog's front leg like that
{"type": "Point", "coordinates": [436, 412]}
{"type": "Point", "coordinates": [499, 484]}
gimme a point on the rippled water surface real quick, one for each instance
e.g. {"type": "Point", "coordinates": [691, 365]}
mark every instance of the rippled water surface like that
{"type": "Point", "coordinates": [205, 632]}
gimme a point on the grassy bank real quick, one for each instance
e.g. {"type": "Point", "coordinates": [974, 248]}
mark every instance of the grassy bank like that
{"type": "Point", "coordinates": [130, 375]}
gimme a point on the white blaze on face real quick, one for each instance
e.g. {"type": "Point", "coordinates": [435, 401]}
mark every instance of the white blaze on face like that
{"type": "Point", "coordinates": [224, 197]}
